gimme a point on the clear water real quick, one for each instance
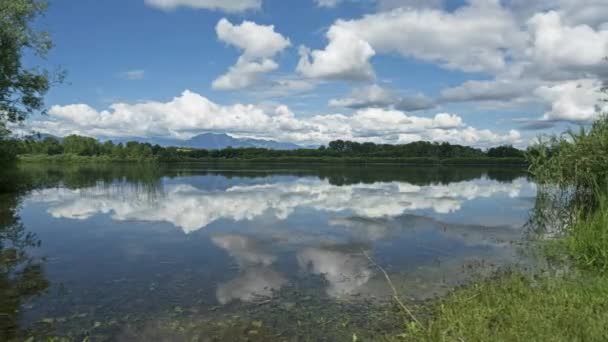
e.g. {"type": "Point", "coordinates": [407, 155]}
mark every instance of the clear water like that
{"type": "Point", "coordinates": [252, 253]}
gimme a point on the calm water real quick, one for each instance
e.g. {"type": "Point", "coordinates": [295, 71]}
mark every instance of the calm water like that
{"type": "Point", "coordinates": [259, 253]}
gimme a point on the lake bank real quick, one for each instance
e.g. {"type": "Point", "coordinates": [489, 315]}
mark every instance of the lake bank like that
{"type": "Point", "coordinates": [71, 158]}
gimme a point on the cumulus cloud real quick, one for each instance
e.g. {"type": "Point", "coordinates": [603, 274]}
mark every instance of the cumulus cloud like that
{"type": "Point", "coordinates": [475, 37]}
{"type": "Point", "coordinates": [190, 113]}
{"type": "Point", "coordinates": [574, 12]}
{"type": "Point", "coordinates": [557, 46]}
{"type": "Point", "coordinates": [259, 44]}
{"type": "Point", "coordinates": [376, 96]}
{"type": "Point", "coordinates": [219, 5]}
{"type": "Point", "coordinates": [575, 101]}
{"type": "Point", "coordinates": [243, 74]}
{"type": "Point", "coordinates": [346, 57]}
{"type": "Point", "coordinates": [525, 47]}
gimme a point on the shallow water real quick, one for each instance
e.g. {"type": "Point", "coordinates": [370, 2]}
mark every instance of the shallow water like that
{"type": "Point", "coordinates": [258, 253]}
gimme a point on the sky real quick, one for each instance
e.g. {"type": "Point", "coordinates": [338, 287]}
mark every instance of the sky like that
{"type": "Point", "coordinates": [473, 72]}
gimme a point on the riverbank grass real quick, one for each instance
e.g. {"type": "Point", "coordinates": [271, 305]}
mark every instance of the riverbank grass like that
{"type": "Point", "coordinates": [518, 308]}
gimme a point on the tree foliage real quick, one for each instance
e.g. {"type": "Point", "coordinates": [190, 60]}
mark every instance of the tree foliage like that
{"type": "Point", "coordinates": [22, 89]}
{"type": "Point", "coordinates": [416, 152]}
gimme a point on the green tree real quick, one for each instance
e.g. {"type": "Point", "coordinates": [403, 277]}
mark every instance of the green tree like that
{"type": "Point", "coordinates": [51, 146]}
{"type": "Point", "coordinates": [82, 146]}
{"type": "Point", "coordinates": [22, 89]}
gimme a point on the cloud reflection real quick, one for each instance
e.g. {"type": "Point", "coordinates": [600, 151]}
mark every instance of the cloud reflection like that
{"type": "Point", "coordinates": [346, 272]}
{"type": "Point", "coordinates": [256, 280]}
{"type": "Point", "coordinates": [191, 208]}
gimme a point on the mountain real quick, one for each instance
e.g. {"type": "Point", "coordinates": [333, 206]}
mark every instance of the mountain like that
{"type": "Point", "coordinates": [215, 141]}
{"type": "Point", "coordinates": [42, 136]}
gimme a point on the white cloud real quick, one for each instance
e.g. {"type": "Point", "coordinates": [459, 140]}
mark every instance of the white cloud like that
{"type": "Point", "coordinates": [371, 96]}
{"type": "Point", "coordinates": [379, 97]}
{"type": "Point", "coordinates": [284, 86]}
{"type": "Point", "coordinates": [475, 37]}
{"type": "Point", "coordinates": [191, 114]}
{"type": "Point", "coordinates": [328, 3]}
{"type": "Point", "coordinates": [555, 45]}
{"type": "Point", "coordinates": [523, 45]}
{"type": "Point", "coordinates": [346, 57]}
{"type": "Point", "coordinates": [385, 5]}
{"type": "Point", "coordinates": [243, 74]}
{"type": "Point", "coordinates": [256, 41]}
{"type": "Point", "coordinates": [575, 101]}
{"type": "Point", "coordinates": [133, 75]}
{"type": "Point", "coordinates": [259, 44]}
{"type": "Point", "coordinates": [219, 5]}
{"type": "Point", "coordinates": [492, 90]}
{"type": "Point", "coordinates": [574, 12]}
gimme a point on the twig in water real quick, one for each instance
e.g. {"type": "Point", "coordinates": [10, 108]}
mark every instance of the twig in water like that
{"type": "Point", "coordinates": [395, 293]}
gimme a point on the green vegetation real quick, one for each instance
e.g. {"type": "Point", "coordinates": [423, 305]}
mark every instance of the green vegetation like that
{"type": "Point", "coordinates": [22, 89]}
{"type": "Point", "coordinates": [516, 308]}
{"type": "Point", "coordinates": [586, 241]}
{"type": "Point", "coordinates": [21, 274]}
{"type": "Point", "coordinates": [574, 159]}
{"type": "Point", "coordinates": [572, 170]}
{"type": "Point", "coordinates": [84, 149]}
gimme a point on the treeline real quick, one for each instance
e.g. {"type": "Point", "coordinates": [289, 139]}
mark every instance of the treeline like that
{"type": "Point", "coordinates": [347, 151]}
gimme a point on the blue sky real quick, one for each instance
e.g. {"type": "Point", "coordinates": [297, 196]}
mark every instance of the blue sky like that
{"type": "Point", "coordinates": [478, 72]}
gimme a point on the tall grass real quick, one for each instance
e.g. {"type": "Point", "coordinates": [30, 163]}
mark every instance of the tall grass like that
{"type": "Point", "coordinates": [577, 160]}
{"type": "Point", "coordinates": [517, 308]}
{"type": "Point", "coordinates": [577, 164]}
{"type": "Point", "coordinates": [586, 241]}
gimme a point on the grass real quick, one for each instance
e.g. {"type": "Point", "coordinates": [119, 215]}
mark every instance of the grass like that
{"type": "Point", "coordinates": [517, 308]}
{"type": "Point", "coordinates": [586, 242]}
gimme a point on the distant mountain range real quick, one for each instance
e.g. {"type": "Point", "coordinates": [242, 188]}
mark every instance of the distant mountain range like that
{"type": "Point", "coordinates": [208, 141]}
{"type": "Point", "coordinates": [216, 141]}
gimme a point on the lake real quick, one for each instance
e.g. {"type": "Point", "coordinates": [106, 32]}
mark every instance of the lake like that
{"type": "Point", "coordinates": [246, 252]}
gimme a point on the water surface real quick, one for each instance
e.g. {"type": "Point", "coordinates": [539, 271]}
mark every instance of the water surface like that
{"type": "Point", "coordinates": [140, 252]}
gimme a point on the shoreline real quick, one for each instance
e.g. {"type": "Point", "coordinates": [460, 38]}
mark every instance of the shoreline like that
{"type": "Point", "coordinates": [473, 162]}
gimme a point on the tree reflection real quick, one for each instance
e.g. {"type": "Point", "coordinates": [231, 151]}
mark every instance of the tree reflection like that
{"type": "Point", "coordinates": [21, 275]}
